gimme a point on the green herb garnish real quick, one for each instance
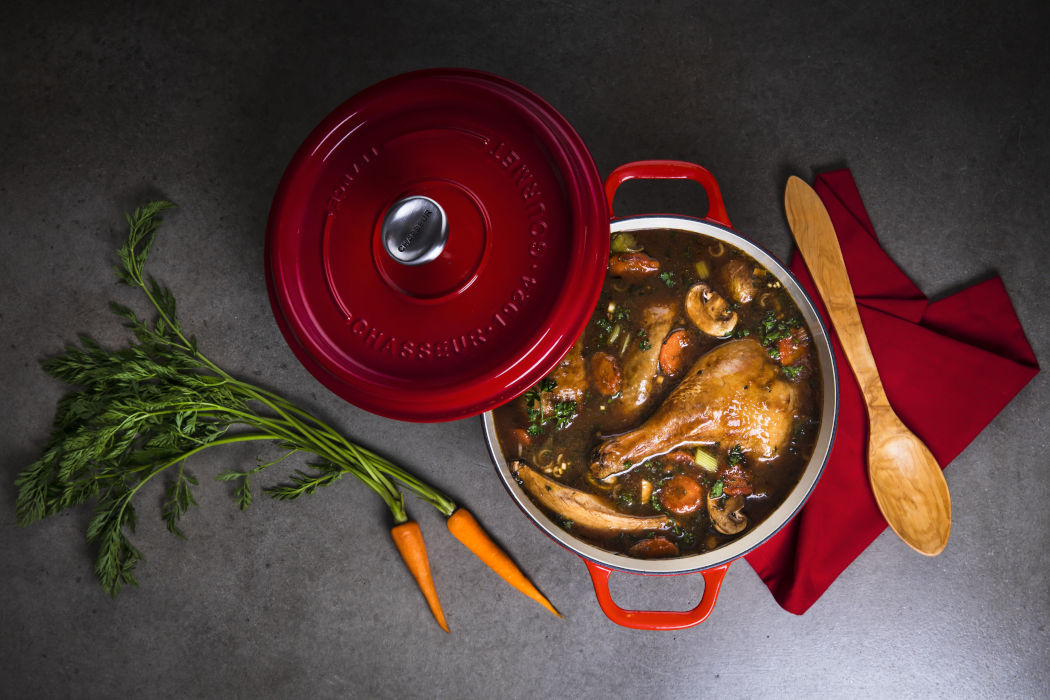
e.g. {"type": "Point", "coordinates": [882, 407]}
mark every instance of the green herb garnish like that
{"type": "Point", "coordinates": [772, 330]}
{"type": "Point", "coordinates": [716, 490]}
{"type": "Point", "coordinates": [561, 413]}
{"type": "Point", "coordinates": [668, 278]}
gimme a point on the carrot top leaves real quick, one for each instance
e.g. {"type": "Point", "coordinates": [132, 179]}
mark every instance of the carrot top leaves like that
{"type": "Point", "coordinates": [139, 412]}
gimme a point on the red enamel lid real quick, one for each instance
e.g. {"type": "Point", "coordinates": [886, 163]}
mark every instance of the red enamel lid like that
{"type": "Point", "coordinates": [437, 245]}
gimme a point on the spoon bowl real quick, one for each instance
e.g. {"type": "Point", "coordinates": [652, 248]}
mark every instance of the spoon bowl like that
{"type": "Point", "coordinates": [908, 484]}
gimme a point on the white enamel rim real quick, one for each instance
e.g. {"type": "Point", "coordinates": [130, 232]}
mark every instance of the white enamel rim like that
{"type": "Point", "coordinates": [821, 449]}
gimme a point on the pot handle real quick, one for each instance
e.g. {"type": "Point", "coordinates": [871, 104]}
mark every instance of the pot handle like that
{"type": "Point", "coordinates": [656, 619]}
{"type": "Point", "coordinates": [670, 170]}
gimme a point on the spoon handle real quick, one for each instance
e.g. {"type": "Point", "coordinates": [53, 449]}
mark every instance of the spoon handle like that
{"type": "Point", "coordinates": [816, 240]}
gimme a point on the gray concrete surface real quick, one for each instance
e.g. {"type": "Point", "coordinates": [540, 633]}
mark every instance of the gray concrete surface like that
{"type": "Point", "coordinates": [940, 109]}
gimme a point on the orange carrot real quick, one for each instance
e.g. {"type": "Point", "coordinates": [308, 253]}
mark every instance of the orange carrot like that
{"type": "Point", "coordinates": [466, 529]}
{"type": "Point", "coordinates": [681, 495]}
{"type": "Point", "coordinates": [793, 347]}
{"type": "Point", "coordinates": [654, 548]}
{"type": "Point", "coordinates": [607, 373]}
{"type": "Point", "coordinates": [521, 437]}
{"type": "Point", "coordinates": [633, 265]}
{"type": "Point", "coordinates": [409, 540]}
{"type": "Point", "coordinates": [671, 353]}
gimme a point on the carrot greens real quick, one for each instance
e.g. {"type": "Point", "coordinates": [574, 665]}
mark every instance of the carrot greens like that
{"type": "Point", "coordinates": [140, 411]}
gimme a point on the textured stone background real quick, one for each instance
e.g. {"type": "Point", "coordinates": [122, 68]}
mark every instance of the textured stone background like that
{"type": "Point", "coordinates": [939, 108]}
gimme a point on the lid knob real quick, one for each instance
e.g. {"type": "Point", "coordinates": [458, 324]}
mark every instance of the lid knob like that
{"type": "Point", "coordinates": [415, 230]}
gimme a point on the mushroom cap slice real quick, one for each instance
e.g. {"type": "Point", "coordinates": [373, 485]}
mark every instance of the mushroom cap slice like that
{"type": "Point", "coordinates": [726, 514]}
{"type": "Point", "coordinates": [709, 311]}
{"type": "Point", "coordinates": [739, 278]}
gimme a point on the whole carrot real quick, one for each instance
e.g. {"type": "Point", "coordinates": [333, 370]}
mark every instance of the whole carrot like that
{"type": "Point", "coordinates": [466, 529]}
{"type": "Point", "coordinates": [409, 540]}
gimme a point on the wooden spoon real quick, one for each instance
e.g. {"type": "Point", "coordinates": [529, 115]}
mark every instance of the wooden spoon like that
{"type": "Point", "coordinates": [908, 483]}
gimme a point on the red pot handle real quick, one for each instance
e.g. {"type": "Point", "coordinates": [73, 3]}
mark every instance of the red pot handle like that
{"type": "Point", "coordinates": [656, 619]}
{"type": "Point", "coordinates": [670, 170]}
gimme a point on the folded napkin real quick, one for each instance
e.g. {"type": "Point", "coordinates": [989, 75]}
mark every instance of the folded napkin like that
{"type": "Point", "coordinates": [948, 367]}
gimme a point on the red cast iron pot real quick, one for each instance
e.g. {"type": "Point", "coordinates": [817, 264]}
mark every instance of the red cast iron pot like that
{"type": "Point", "coordinates": [436, 246]}
{"type": "Point", "coordinates": [714, 564]}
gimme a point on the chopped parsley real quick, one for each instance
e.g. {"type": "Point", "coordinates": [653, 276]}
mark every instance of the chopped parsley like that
{"type": "Point", "coordinates": [792, 371]}
{"type": "Point", "coordinates": [772, 330]}
{"type": "Point", "coordinates": [561, 414]}
{"type": "Point", "coordinates": [736, 455]}
{"type": "Point", "coordinates": [716, 490]}
{"type": "Point", "coordinates": [668, 278]}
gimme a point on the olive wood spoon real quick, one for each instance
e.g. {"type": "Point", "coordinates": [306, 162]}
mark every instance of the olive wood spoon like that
{"type": "Point", "coordinates": [908, 484]}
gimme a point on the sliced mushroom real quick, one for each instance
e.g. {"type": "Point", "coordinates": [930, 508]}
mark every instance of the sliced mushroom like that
{"type": "Point", "coordinates": [709, 311]}
{"type": "Point", "coordinates": [727, 514]}
{"type": "Point", "coordinates": [739, 278]}
{"type": "Point", "coordinates": [583, 509]}
{"type": "Point", "coordinates": [645, 490]}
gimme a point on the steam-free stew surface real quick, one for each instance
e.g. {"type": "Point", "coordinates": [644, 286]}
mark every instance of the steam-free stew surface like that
{"type": "Point", "coordinates": [642, 342]}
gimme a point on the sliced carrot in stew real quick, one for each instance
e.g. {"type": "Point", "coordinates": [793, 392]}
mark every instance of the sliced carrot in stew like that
{"type": "Point", "coordinates": [681, 495]}
{"type": "Point", "coordinates": [521, 437]}
{"type": "Point", "coordinates": [681, 457]}
{"type": "Point", "coordinates": [793, 347]}
{"type": "Point", "coordinates": [672, 356]}
{"type": "Point", "coordinates": [605, 369]}
{"type": "Point", "coordinates": [633, 264]}
{"type": "Point", "coordinates": [654, 548]}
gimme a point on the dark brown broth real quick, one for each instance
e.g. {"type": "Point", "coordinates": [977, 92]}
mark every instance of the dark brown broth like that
{"type": "Point", "coordinates": [598, 417]}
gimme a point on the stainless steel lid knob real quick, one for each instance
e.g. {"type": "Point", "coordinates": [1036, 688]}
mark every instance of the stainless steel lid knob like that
{"type": "Point", "coordinates": [415, 230]}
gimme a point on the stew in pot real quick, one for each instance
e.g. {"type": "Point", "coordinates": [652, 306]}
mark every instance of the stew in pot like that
{"type": "Point", "coordinates": [684, 414]}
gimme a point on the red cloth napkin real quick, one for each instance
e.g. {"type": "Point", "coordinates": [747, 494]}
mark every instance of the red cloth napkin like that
{"type": "Point", "coordinates": [948, 367]}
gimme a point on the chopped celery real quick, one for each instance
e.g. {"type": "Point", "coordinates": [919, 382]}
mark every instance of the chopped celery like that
{"type": "Point", "coordinates": [705, 459]}
{"type": "Point", "coordinates": [701, 269]}
{"type": "Point", "coordinates": [624, 243]}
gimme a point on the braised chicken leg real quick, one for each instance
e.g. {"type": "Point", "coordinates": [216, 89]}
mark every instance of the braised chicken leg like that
{"type": "Point", "coordinates": [733, 395]}
{"type": "Point", "coordinates": [643, 365]}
